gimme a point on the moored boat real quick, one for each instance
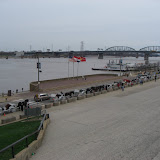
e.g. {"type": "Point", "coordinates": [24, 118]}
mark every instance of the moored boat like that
{"type": "Point", "coordinates": [117, 67]}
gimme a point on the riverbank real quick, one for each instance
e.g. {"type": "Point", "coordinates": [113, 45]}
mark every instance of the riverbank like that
{"type": "Point", "coordinates": [64, 85]}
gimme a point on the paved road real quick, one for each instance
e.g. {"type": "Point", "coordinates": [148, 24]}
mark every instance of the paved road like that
{"type": "Point", "coordinates": [115, 126]}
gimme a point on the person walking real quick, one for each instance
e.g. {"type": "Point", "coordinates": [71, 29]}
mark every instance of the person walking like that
{"type": "Point", "coordinates": [122, 86]}
{"type": "Point", "coordinates": [142, 81]}
{"type": "Point", "coordinates": [155, 77]}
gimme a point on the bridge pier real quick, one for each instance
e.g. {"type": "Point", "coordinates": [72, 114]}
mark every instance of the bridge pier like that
{"type": "Point", "coordinates": [100, 55]}
{"type": "Point", "coordinates": [146, 58]}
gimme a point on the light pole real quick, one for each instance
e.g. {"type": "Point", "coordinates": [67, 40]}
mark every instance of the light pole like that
{"type": "Point", "coordinates": [120, 65]}
{"type": "Point", "coordinates": [38, 67]}
{"type": "Point", "coordinates": [38, 72]}
{"type": "Point", "coordinates": [77, 68]}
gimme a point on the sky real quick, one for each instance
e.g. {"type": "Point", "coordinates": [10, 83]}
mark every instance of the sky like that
{"type": "Point", "coordinates": [64, 24]}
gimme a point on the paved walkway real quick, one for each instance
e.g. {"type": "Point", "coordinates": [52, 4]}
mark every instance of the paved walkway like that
{"type": "Point", "coordinates": [53, 85]}
{"type": "Point", "coordinates": [113, 126]}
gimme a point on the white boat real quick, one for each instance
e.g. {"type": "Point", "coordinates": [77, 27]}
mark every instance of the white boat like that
{"type": "Point", "coordinates": [117, 67]}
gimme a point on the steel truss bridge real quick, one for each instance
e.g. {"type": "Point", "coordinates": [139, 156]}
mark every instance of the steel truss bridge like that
{"type": "Point", "coordinates": [116, 50]}
{"type": "Point", "coordinates": [112, 51]}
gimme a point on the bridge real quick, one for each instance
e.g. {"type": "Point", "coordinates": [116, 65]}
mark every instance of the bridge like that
{"type": "Point", "coordinates": [117, 50]}
{"type": "Point", "coordinates": [111, 51]}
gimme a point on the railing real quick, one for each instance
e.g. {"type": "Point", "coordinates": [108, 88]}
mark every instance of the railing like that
{"type": "Point", "coordinates": [46, 116]}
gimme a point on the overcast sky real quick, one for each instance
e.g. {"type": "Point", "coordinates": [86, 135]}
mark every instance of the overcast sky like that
{"type": "Point", "coordinates": [63, 23]}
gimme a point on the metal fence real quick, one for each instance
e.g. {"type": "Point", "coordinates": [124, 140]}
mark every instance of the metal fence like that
{"type": "Point", "coordinates": [32, 111]}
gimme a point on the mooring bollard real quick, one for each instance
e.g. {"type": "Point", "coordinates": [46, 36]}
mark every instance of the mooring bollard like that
{"type": "Point", "coordinates": [9, 92]}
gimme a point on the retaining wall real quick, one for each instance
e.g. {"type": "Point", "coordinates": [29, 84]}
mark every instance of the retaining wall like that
{"type": "Point", "coordinates": [34, 86]}
{"type": "Point", "coordinates": [7, 120]}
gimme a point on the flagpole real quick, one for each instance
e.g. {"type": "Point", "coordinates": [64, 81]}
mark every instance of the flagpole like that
{"type": "Point", "coordinates": [73, 70]}
{"type": "Point", "coordinates": [77, 69]}
{"type": "Point", "coordinates": [68, 69]}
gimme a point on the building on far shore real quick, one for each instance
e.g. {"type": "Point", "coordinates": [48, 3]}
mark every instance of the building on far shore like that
{"type": "Point", "coordinates": [19, 54]}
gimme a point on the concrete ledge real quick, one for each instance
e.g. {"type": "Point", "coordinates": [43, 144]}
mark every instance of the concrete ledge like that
{"type": "Point", "coordinates": [115, 88]}
{"type": "Point", "coordinates": [26, 153]}
{"type": "Point", "coordinates": [7, 120]}
{"type": "Point", "coordinates": [129, 85]}
{"type": "Point", "coordinates": [81, 97]}
{"type": "Point", "coordinates": [109, 90]}
{"type": "Point", "coordinates": [73, 99]}
{"type": "Point", "coordinates": [64, 101]}
{"type": "Point", "coordinates": [89, 95]}
{"type": "Point", "coordinates": [22, 116]}
{"type": "Point", "coordinates": [96, 93]}
{"type": "Point", "coordinates": [103, 92]}
{"type": "Point", "coordinates": [126, 86]}
{"type": "Point", "coordinates": [43, 106]}
{"type": "Point", "coordinates": [56, 103]}
{"type": "Point", "coordinates": [48, 105]}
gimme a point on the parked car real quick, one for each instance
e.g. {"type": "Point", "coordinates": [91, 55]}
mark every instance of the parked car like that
{"type": "Point", "coordinates": [53, 98]}
{"type": "Point", "coordinates": [19, 103]}
{"type": "Point", "coordinates": [57, 97]}
{"type": "Point", "coordinates": [88, 90]}
{"type": "Point", "coordinates": [108, 86]}
{"type": "Point", "coordinates": [101, 87]}
{"type": "Point", "coordinates": [80, 92]}
{"type": "Point", "coordinates": [96, 88]}
{"type": "Point", "coordinates": [31, 104]}
{"type": "Point", "coordinates": [10, 107]}
{"type": "Point", "coordinates": [118, 84]}
{"type": "Point", "coordinates": [41, 97]}
{"type": "Point", "coordinates": [69, 94]}
{"type": "Point", "coordinates": [127, 81]}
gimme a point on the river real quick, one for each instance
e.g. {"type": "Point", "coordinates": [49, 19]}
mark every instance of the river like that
{"type": "Point", "coordinates": [18, 73]}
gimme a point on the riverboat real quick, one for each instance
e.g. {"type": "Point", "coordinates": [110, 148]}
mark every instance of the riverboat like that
{"type": "Point", "coordinates": [117, 67]}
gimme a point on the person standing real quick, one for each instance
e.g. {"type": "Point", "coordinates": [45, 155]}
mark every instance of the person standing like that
{"type": "Point", "coordinates": [21, 107]}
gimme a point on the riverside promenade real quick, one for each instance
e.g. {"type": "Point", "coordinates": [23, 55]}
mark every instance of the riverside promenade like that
{"type": "Point", "coordinates": [56, 86]}
{"type": "Point", "coordinates": [113, 126]}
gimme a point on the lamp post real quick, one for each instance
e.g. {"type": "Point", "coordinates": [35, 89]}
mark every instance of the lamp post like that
{"type": "Point", "coordinates": [38, 72]}
{"type": "Point", "coordinates": [38, 67]}
{"type": "Point", "coordinates": [120, 61]}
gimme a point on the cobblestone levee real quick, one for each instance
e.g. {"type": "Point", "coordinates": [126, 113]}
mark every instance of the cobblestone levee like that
{"type": "Point", "coordinates": [113, 126]}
